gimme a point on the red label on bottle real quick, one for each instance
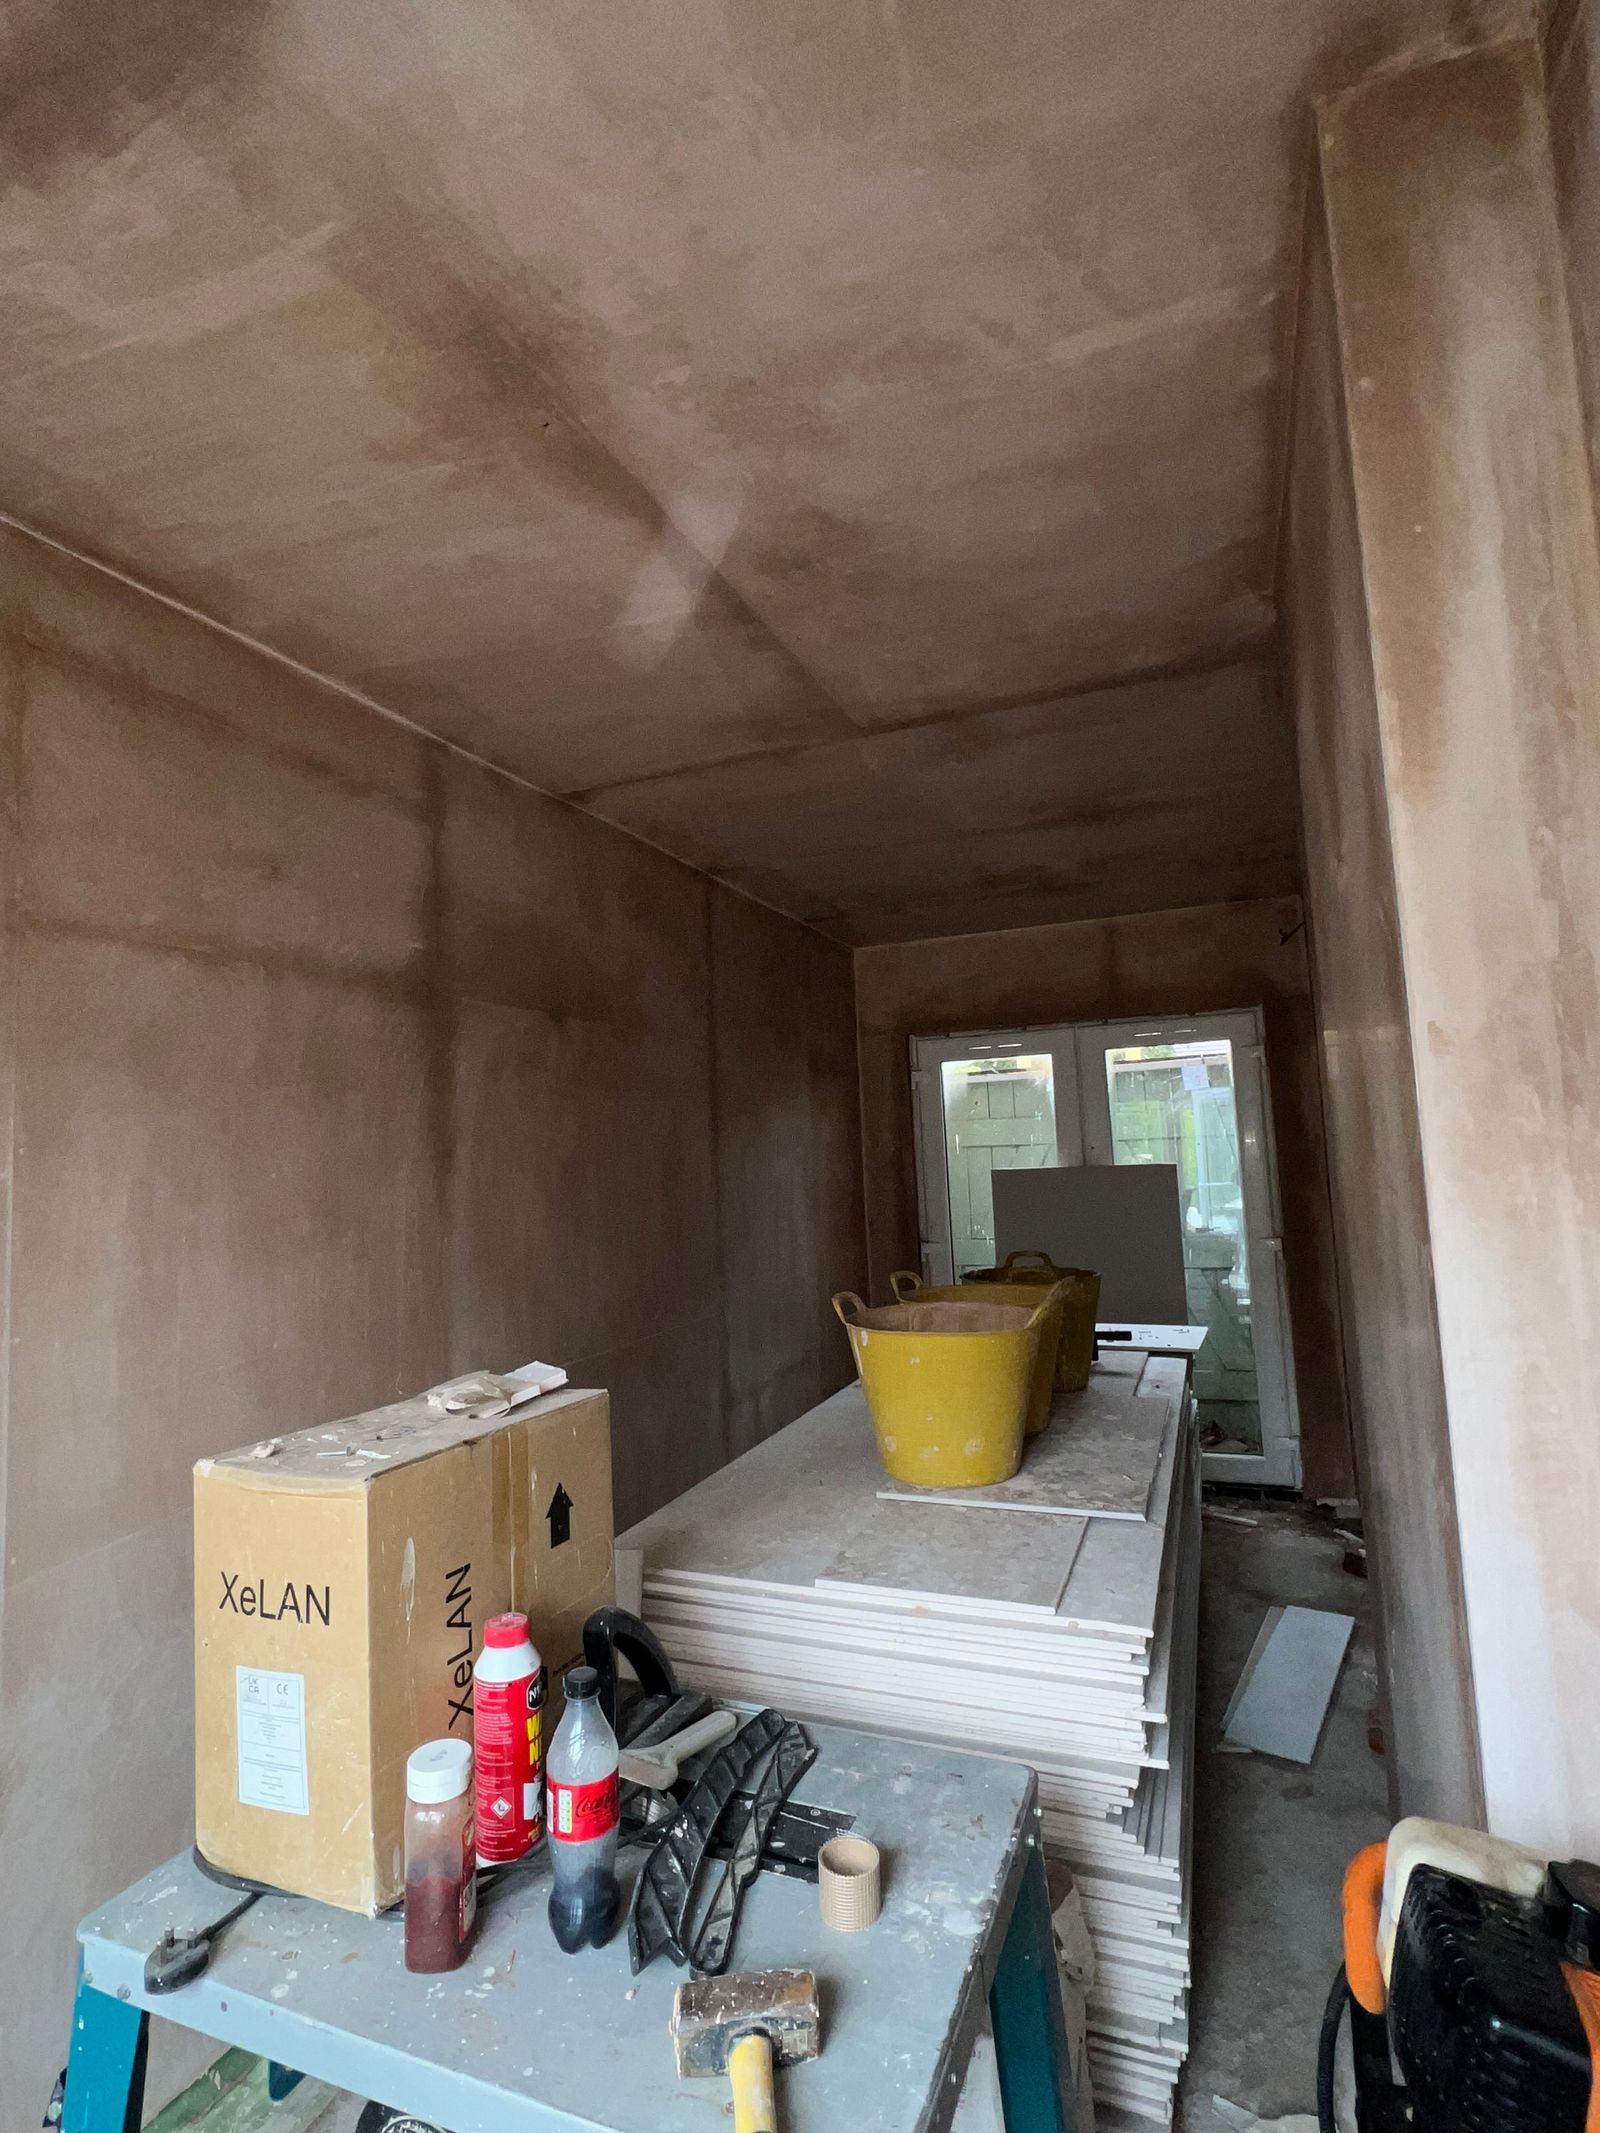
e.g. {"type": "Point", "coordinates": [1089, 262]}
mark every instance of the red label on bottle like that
{"type": "Point", "coordinates": [579, 1813]}
{"type": "Point", "coordinates": [506, 1752]}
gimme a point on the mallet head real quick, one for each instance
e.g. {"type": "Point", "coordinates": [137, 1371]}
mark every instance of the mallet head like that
{"type": "Point", "coordinates": [711, 2014]}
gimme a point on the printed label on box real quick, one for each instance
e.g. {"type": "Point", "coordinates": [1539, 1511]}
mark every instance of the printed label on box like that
{"type": "Point", "coordinates": [272, 1740]}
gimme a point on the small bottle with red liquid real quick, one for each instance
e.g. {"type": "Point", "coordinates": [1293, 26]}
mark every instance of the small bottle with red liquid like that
{"type": "Point", "coordinates": [441, 1856]}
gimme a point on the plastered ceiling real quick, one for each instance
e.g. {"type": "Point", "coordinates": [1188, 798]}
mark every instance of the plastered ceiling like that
{"type": "Point", "coordinates": [837, 442]}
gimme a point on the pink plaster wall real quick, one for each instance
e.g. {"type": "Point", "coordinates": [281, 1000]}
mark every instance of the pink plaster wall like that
{"type": "Point", "coordinates": [1481, 571]}
{"type": "Point", "coordinates": [1572, 68]}
{"type": "Point", "coordinates": [1394, 1368]}
{"type": "Point", "coordinates": [342, 1064]}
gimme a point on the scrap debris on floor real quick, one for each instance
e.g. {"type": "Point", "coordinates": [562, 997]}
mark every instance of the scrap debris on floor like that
{"type": "Point", "coordinates": [1233, 2114]}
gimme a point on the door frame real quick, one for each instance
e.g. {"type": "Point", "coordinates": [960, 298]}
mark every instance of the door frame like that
{"type": "Point", "coordinates": [1077, 1054]}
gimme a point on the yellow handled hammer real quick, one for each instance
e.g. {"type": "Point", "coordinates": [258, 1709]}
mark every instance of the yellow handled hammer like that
{"type": "Point", "coordinates": [743, 2027]}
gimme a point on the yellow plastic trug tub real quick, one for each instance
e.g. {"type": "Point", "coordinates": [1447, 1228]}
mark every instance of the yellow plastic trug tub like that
{"type": "Point", "coordinates": [1080, 1307]}
{"type": "Point", "coordinates": [947, 1386]}
{"type": "Point", "coordinates": [908, 1288]}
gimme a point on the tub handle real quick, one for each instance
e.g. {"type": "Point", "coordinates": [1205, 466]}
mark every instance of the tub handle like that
{"type": "Point", "coordinates": [844, 1297]}
{"type": "Point", "coordinates": [904, 1285]}
{"type": "Point", "coordinates": [1042, 1260]}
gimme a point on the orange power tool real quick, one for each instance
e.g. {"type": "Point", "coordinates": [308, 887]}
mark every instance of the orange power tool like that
{"type": "Point", "coordinates": [1471, 1983]}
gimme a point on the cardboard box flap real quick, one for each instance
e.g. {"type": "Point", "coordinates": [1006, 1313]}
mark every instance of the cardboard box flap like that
{"type": "Point", "coordinates": [335, 1455]}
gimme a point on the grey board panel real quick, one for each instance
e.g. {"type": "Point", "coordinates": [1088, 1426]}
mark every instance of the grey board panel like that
{"type": "Point", "coordinates": [1123, 1220]}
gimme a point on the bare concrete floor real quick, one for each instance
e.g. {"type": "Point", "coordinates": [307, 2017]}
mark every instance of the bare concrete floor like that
{"type": "Point", "coordinates": [1272, 1840]}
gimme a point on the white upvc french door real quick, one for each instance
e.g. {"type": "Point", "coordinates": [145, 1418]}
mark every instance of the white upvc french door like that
{"type": "Point", "coordinates": [1189, 1090]}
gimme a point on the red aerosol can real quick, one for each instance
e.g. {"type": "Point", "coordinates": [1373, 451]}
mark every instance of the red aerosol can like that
{"type": "Point", "coordinates": [508, 1751]}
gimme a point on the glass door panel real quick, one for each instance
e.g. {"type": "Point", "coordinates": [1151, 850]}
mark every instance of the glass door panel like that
{"type": "Point", "coordinates": [986, 1103]}
{"type": "Point", "coordinates": [1175, 1103]}
{"type": "Point", "coordinates": [999, 1114]}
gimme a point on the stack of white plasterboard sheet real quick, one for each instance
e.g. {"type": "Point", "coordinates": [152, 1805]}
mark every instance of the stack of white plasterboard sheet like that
{"type": "Point", "coordinates": [1066, 1640]}
{"type": "Point", "coordinates": [1138, 1908]}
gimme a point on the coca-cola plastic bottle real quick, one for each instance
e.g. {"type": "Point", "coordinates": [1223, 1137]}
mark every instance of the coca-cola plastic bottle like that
{"type": "Point", "coordinates": [582, 1819]}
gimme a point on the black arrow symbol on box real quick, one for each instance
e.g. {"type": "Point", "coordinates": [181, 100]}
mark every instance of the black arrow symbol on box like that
{"type": "Point", "coordinates": [560, 1517]}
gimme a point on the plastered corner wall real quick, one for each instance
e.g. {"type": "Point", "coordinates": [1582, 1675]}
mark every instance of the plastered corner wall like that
{"type": "Point", "coordinates": [1394, 1369]}
{"type": "Point", "coordinates": [342, 1063]}
{"type": "Point", "coordinates": [1465, 764]}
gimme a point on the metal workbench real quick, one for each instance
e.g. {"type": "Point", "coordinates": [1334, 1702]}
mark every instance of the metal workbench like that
{"type": "Point", "coordinates": [525, 2039]}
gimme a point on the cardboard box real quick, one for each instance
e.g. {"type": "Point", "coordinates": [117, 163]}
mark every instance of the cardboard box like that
{"type": "Point", "coordinates": [342, 1579]}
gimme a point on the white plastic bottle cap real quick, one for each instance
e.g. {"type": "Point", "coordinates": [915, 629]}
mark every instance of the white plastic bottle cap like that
{"type": "Point", "coordinates": [440, 1770]}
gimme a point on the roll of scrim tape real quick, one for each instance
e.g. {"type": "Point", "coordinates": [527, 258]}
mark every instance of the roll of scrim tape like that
{"type": "Point", "coordinates": [849, 1882]}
